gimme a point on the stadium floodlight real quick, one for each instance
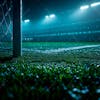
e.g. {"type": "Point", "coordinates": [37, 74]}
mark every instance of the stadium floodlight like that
{"type": "Point", "coordinates": [95, 4]}
{"type": "Point", "coordinates": [47, 17]}
{"type": "Point", "coordinates": [27, 21]}
{"type": "Point", "coordinates": [84, 7]}
{"type": "Point", "coordinates": [52, 16]}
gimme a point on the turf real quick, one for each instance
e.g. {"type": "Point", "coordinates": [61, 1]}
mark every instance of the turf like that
{"type": "Point", "coordinates": [72, 75]}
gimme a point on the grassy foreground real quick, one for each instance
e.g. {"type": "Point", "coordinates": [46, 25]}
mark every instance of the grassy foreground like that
{"type": "Point", "coordinates": [68, 75]}
{"type": "Point", "coordinates": [49, 81]}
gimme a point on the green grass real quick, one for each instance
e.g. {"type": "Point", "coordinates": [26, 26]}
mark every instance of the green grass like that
{"type": "Point", "coordinates": [49, 81]}
{"type": "Point", "coordinates": [72, 75]}
{"type": "Point", "coordinates": [55, 45]}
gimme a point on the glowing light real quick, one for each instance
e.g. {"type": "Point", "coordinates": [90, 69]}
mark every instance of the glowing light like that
{"type": "Point", "coordinates": [84, 7]}
{"type": "Point", "coordinates": [47, 17]}
{"type": "Point", "coordinates": [27, 21]}
{"type": "Point", "coordinates": [95, 4]}
{"type": "Point", "coordinates": [52, 16]}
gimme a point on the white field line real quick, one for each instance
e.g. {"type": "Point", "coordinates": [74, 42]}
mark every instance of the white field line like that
{"type": "Point", "coordinates": [60, 49]}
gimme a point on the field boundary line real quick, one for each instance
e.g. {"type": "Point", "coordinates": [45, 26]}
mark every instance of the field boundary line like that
{"type": "Point", "coordinates": [61, 49]}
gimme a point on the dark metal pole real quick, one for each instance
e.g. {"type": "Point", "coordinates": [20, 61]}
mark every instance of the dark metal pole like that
{"type": "Point", "coordinates": [17, 14]}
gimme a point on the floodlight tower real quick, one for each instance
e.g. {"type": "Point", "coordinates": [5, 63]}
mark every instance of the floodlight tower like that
{"type": "Point", "coordinates": [17, 17]}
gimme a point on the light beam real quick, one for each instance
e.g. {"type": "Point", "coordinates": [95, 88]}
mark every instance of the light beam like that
{"type": "Point", "coordinates": [84, 7]}
{"type": "Point", "coordinates": [52, 16]}
{"type": "Point", "coordinates": [95, 4]}
{"type": "Point", "coordinates": [27, 21]}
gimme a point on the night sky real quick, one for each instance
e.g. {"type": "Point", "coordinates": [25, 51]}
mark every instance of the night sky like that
{"type": "Point", "coordinates": [35, 9]}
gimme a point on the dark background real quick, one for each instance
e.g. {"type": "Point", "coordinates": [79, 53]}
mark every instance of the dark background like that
{"type": "Point", "coordinates": [35, 9]}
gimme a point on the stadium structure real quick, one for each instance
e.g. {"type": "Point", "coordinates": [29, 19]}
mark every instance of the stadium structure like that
{"type": "Point", "coordinates": [77, 24]}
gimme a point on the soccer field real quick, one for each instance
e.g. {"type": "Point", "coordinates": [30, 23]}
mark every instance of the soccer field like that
{"type": "Point", "coordinates": [54, 45]}
{"type": "Point", "coordinates": [59, 51]}
{"type": "Point", "coordinates": [70, 71]}
{"type": "Point", "coordinates": [62, 51]}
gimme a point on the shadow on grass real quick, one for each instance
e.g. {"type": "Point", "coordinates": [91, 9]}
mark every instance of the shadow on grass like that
{"type": "Point", "coordinates": [6, 59]}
